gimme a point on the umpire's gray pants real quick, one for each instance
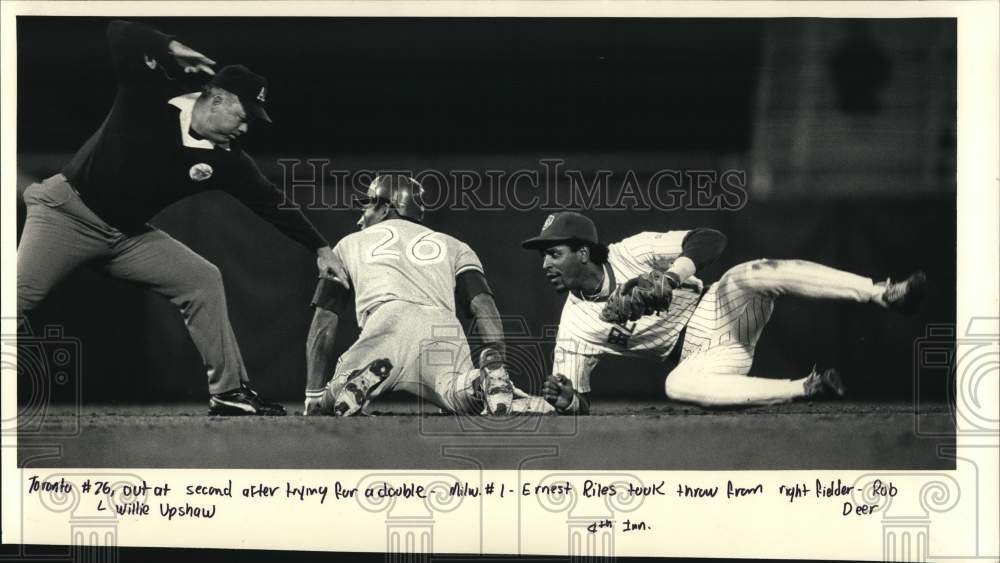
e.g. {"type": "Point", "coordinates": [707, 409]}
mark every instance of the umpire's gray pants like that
{"type": "Point", "coordinates": [61, 233]}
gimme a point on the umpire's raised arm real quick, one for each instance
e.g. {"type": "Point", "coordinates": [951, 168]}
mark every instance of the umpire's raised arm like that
{"type": "Point", "coordinates": [138, 50]}
{"type": "Point", "coordinates": [265, 199]}
{"type": "Point", "coordinates": [162, 141]}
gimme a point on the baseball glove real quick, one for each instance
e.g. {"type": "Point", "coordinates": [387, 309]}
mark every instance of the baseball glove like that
{"type": "Point", "coordinates": [646, 294]}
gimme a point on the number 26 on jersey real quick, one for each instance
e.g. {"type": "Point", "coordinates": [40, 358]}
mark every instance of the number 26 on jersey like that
{"type": "Point", "coordinates": [386, 245]}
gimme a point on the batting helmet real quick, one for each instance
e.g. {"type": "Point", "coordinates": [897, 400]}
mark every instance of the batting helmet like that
{"type": "Point", "coordinates": [402, 193]}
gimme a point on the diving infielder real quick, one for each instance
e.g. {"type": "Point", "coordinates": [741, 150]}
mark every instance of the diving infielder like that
{"type": "Point", "coordinates": [717, 327]}
{"type": "Point", "coordinates": [406, 278]}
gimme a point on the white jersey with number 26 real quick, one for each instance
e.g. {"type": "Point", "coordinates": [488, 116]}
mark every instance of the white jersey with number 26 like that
{"type": "Point", "coordinates": [399, 260]}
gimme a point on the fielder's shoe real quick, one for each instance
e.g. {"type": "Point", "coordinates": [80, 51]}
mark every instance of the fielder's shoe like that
{"type": "Point", "coordinates": [498, 391]}
{"type": "Point", "coordinates": [905, 296]}
{"type": "Point", "coordinates": [242, 402]}
{"type": "Point", "coordinates": [824, 384]}
{"type": "Point", "coordinates": [358, 387]}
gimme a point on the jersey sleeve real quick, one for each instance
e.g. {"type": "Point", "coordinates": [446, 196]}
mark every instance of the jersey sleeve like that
{"type": "Point", "coordinates": [567, 360]}
{"type": "Point", "coordinates": [263, 198]}
{"type": "Point", "coordinates": [652, 250]}
{"type": "Point", "coordinates": [342, 251]}
{"type": "Point", "coordinates": [138, 50]}
{"type": "Point", "coordinates": [466, 259]}
{"type": "Point", "coordinates": [331, 296]}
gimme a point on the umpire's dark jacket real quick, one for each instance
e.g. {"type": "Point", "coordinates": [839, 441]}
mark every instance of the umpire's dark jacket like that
{"type": "Point", "coordinates": [137, 162]}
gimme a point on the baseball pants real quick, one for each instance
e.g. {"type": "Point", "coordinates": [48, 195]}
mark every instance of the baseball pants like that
{"type": "Point", "coordinates": [62, 233]}
{"type": "Point", "coordinates": [723, 331]}
{"type": "Point", "coordinates": [428, 351]}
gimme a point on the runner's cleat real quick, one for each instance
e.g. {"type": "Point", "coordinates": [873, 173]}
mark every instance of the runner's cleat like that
{"type": "Point", "coordinates": [498, 391]}
{"type": "Point", "coordinates": [357, 390]}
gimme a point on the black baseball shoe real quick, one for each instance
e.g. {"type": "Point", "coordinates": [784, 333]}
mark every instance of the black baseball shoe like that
{"type": "Point", "coordinates": [824, 385]}
{"type": "Point", "coordinates": [905, 296]}
{"type": "Point", "coordinates": [242, 402]}
{"type": "Point", "coordinates": [262, 400]}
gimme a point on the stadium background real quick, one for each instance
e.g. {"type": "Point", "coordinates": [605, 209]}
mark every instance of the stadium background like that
{"type": "Point", "coordinates": [846, 131]}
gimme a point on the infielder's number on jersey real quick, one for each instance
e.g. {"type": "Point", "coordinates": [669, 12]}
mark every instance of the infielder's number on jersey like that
{"type": "Point", "coordinates": [620, 334]}
{"type": "Point", "coordinates": [422, 251]}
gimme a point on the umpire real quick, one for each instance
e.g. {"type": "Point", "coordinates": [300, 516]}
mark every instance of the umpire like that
{"type": "Point", "coordinates": [158, 145]}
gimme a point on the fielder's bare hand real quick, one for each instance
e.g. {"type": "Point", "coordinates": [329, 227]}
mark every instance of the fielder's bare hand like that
{"type": "Point", "coordinates": [190, 60]}
{"type": "Point", "coordinates": [558, 391]}
{"type": "Point", "coordinates": [330, 267]}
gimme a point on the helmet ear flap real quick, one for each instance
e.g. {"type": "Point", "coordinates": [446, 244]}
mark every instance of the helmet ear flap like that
{"type": "Point", "coordinates": [382, 208]}
{"type": "Point", "coordinates": [417, 190]}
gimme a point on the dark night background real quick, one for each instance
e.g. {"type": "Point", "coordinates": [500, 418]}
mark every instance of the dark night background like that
{"type": "Point", "coordinates": [845, 129]}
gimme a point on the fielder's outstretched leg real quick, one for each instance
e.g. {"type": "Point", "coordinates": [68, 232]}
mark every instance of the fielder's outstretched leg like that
{"type": "Point", "coordinates": [810, 280]}
{"type": "Point", "coordinates": [722, 334]}
{"type": "Point", "coordinates": [709, 381]}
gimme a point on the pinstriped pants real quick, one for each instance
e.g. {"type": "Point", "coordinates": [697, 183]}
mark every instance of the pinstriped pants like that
{"type": "Point", "coordinates": [723, 331]}
{"type": "Point", "coordinates": [61, 233]}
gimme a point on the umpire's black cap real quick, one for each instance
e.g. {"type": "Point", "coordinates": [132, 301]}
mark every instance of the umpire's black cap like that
{"type": "Point", "coordinates": [249, 87]}
{"type": "Point", "coordinates": [561, 227]}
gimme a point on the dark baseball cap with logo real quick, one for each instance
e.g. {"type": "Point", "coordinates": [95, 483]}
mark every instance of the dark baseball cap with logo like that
{"type": "Point", "coordinates": [249, 87]}
{"type": "Point", "coordinates": [561, 227]}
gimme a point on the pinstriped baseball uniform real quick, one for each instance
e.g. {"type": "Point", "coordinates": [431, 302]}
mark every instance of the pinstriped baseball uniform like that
{"type": "Point", "coordinates": [722, 328]}
{"type": "Point", "coordinates": [403, 274]}
{"type": "Point", "coordinates": [722, 333]}
{"type": "Point", "coordinates": [583, 337]}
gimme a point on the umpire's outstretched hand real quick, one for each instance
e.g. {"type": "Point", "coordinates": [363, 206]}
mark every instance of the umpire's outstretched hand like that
{"type": "Point", "coordinates": [189, 59]}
